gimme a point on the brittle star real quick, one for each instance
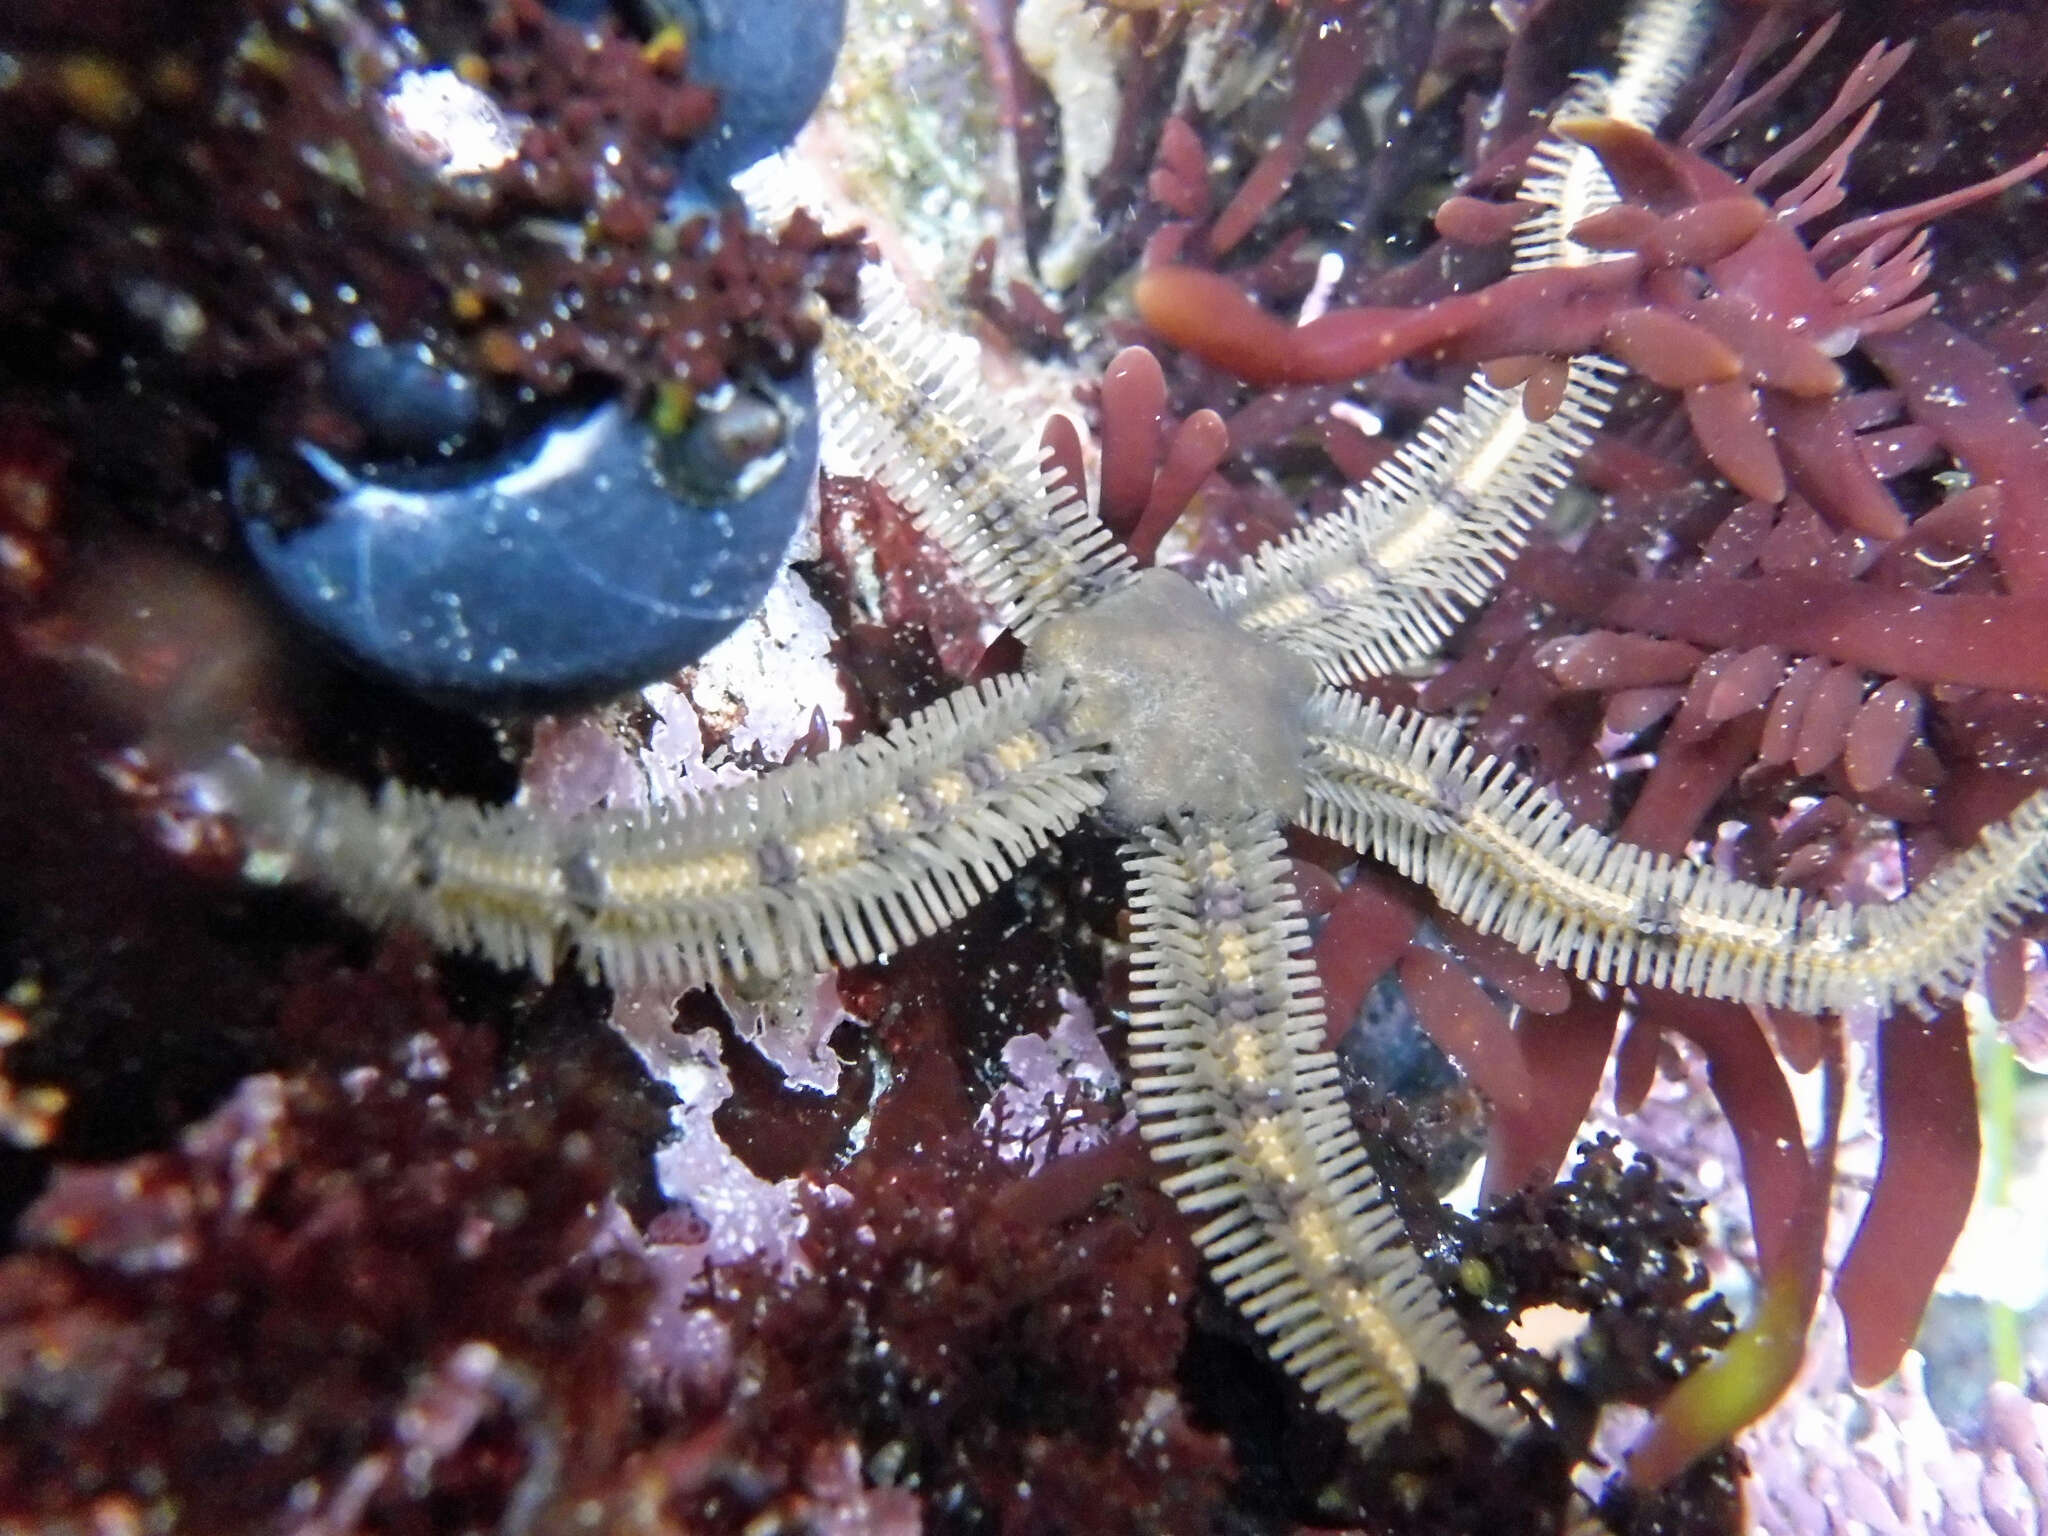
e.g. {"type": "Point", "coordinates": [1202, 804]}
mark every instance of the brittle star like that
{"type": "Point", "coordinates": [1197, 721]}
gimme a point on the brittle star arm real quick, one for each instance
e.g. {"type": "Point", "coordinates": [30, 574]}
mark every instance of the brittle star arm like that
{"type": "Point", "coordinates": [1377, 587]}
{"type": "Point", "coordinates": [1505, 856]}
{"type": "Point", "coordinates": [1233, 1080]}
{"type": "Point", "coordinates": [907, 397]}
{"type": "Point", "coordinates": [835, 861]}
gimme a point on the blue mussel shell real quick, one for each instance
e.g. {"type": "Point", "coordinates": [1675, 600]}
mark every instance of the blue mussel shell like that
{"type": "Point", "coordinates": [770, 64]}
{"type": "Point", "coordinates": [585, 562]}
{"type": "Point", "coordinates": [596, 555]}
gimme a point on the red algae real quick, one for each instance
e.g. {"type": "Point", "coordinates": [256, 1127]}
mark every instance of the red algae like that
{"type": "Point", "coordinates": [1327, 71]}
{"type": "Point", "coordinates": [1609, 659]}
{"type": "Point", "coordinates": [1520, 980]}
{"type": "Point", "coordinates": [1926, 1178]}
{"type": "Point", "coordinates": [1824, 724]}
{"type": "Point", "coordinates": [1758, 1364]}
{"type": "Point", "coordinates": [1468, 1025]}
{"type": "Point", "coordinates": [1133, 401]}
{"type": "Point", "coordinates": [1566, 1051]}
{"type": "Point", "coordinates": [1671, 351]}
{"type": "Point", "coordinates": [1551, 310]}
{"type": "Point", "coordinates": [1005, 1331]}
{"type": "Point", "coordinates": [1746, 683]}
{"type": "Point", "coordinates": [319, 1261]}
{"type": "Point", "coordinates": [479, 290]}
{"type": "Point", "coordinates": [1888, 720]}
{"type": "Point", "coordinates": [1196, 447]}
{"type": "Point", "coordinates": [1632, 711]}
{"type": "Point", "coordinates": [1829, 466]}
{"type": "Point", "coordinates": [1980, 641]}
{"type": "Point", "coordinates": [1728, 421]}
{"type": "Point", "coordinates": [1180, 179]}
{"type": "Point", "coordinates": [1367, 932]}
{"type": "Point", "coordinates": [1684, 785]}
{"type": "Point", "coordinates": [1955, 388]}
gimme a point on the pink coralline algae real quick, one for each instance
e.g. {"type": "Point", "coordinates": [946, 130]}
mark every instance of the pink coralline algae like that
{"type": "Point", "coordinates": [362, 1291]}
{"type": "Point", "coordinates": [1833, 1462]}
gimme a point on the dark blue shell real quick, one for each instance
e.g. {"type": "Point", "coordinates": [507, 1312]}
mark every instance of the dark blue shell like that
{"type": "Point", "coordinates": [587, 12]}
{"type": "Point", "coordinates": [770, 65]}
{"type": "Point", "coordinates": [405, 402]}
{"type": "Point", "coordinates": [589, 562]}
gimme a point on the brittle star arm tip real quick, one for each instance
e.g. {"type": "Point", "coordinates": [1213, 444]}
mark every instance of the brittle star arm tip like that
{"type": "Point", "coordinates": [834, 861]}
{"type": "Point", "coordinates": [1235, 1085]}
{"type": "Point", "coordinates": [1507, 857]}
